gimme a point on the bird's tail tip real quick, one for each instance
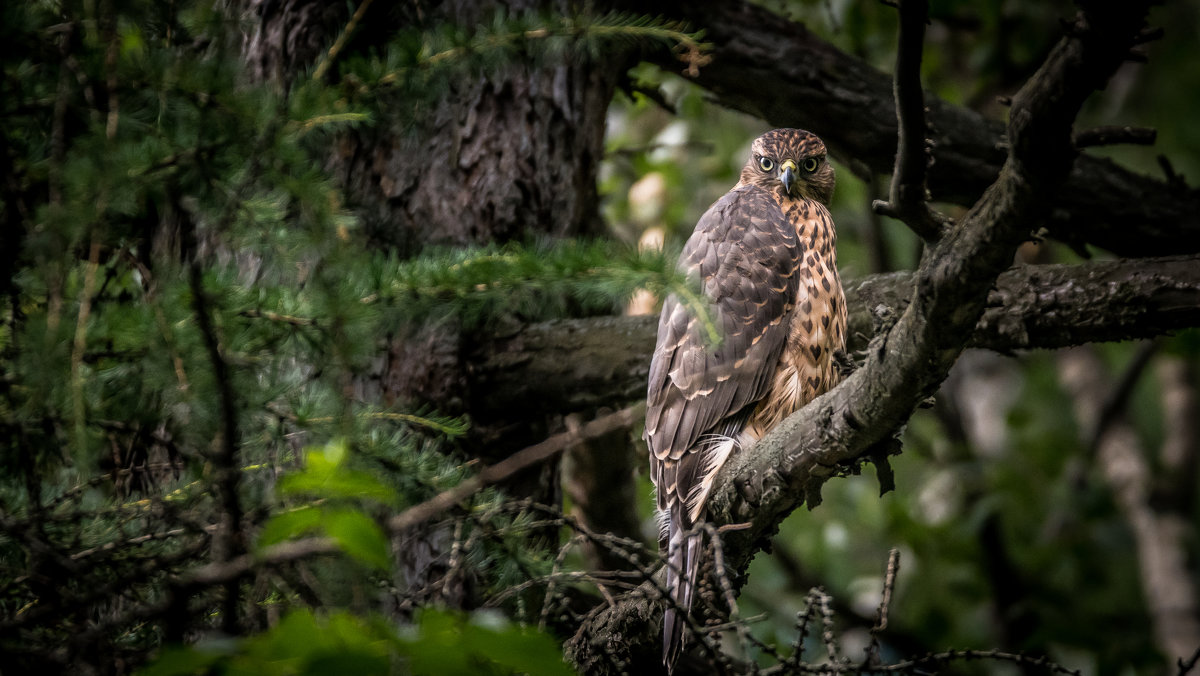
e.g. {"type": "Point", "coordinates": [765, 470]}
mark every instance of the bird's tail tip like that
{"type": "Point", "coordinates": [682, 566]}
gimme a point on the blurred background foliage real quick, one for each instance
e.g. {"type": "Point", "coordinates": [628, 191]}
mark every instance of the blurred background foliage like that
{"type": "Point", "coordinates": [113, 401]}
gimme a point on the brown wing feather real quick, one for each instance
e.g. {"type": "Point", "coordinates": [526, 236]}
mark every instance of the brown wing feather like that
{"type": "Point", "coordinates": [746, 255]}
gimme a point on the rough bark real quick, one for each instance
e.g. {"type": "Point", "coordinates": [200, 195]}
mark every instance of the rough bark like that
{"type": "Point", "coordinates": [904, 366]}
{"type": "Point", "coordinates": [775, 69]}
{"type": "Point", "coordinates": [496, 156]}
{"type": "Point", "coordinates": [581, 364]}
{"type": "Point", "coordinates": [491, 159]}
{"type": "Point", "coordinates": [453, 177]}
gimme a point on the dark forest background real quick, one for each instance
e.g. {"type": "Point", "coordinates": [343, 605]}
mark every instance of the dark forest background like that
{"type": "Point", "coordinates": [324, 330]}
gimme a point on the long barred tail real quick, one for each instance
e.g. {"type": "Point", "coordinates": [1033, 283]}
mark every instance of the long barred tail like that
{"type": "Point", "coordinates": [683, 563]}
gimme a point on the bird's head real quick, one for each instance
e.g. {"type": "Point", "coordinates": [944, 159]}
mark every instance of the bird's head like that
{"type": "Point", "coordinates": [790, 163]}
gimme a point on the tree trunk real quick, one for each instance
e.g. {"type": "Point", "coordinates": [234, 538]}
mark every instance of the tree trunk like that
{"type": "Point", "coordinates": [496, 157]}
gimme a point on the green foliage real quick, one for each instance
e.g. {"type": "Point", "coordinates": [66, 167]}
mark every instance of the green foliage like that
{"type": "Point", "coordinates": [417, 66]}
{"type": "Point", "coordinates": [186, 280]}
{"type": "Point", "coordinates": [531, 282]}
{"type": "Point", "coordinates": [325, 479]}
{"type": "Point", "coordinates": [308, 644]}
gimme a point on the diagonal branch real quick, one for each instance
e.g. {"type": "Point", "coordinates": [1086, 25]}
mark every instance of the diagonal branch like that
{"type": "Point", "coordinates": [440, 504]}
{"type": "Point", "coordinates": [789, 465]}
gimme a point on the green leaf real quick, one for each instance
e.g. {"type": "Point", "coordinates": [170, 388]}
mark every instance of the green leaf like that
{"type": "Point", "coordinates": [517, 648]}
{"type": "Point", "coordinates": [340, 484]}
{"type": "Point", "coordinates": [360, 537]}
{"type": "Point", "coordinates": [335, 452]}
{"type": "Point", "coordinates": [289, 525]}
{"type": "Point", "coordinates": [449, 643]}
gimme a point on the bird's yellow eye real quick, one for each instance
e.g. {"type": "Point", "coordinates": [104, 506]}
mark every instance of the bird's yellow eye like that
{"type": "Point", "coordinates": [811, 164]}
{"type": "Point", "coordinates": [766, 163]}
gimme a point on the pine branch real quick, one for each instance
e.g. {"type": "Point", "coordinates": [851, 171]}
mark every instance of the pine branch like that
{"type": "Point", "coordinates": [420, 57]}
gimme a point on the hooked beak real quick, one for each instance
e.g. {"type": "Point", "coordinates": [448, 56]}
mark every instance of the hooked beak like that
{"type": "Point", "coordinates": [787, 175]}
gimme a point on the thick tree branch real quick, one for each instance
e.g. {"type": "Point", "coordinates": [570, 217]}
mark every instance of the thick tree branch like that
{"type": "Point", "coordinates": [583, 364]}
{"type": "Point", "coordinates": [775, 69]}
{"type": "Point", "coordinates": [903, 367]}
{"type": "Point", "coordinates": [1107, 136]}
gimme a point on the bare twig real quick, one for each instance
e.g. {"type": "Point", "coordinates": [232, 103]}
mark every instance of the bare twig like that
{"type": "Point", "coordinates": [1118, 397]}
{"type": "Point", "coordinates": [881, 617]}
{"type": "Point", "coordinates": [803, 619]}
{"type": "Point", "coordinates": [828, 636]}
{"type": "Point", "coordinates": [547, 601]}
{"type": "Point", "coordinates": [1108, 136]}
{"type": "Point", "coordinates": [229, 542]}
{"type": "Point", "coordinates": [1186, 667]}
{"type": "Point", "coordinates": [220, 572]}
{"type": "Point", "coordinates": [910, 666]}
{"type": "Point", "coordinates": [518, 461]}
{"type": "Point", "coordinates": [908, 198]}
{"type": "Point", "coordinates": [722, 575]}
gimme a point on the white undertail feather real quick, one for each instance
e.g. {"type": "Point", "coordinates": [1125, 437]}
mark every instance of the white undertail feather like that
{"type": "Point", "coordinates": [663, 519]}
{"type": "Point", "coordinates": [716, 449]}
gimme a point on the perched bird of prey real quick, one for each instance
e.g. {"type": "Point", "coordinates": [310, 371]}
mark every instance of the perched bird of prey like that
{"type": "Point", "coordinates": [764, 256]}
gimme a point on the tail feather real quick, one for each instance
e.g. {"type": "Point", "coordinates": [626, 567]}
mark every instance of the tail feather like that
{"type": "Point", "coordinates": [683, 563]}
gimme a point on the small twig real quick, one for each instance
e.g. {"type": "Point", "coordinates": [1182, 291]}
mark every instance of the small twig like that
{"type": "Point", "coordinates": [1115, 135]}
{"type": "Point", "coordinates": [881, 617]}
{"type": "Point", "coordinates": [456, 558]}
{"type": "Point", "coordinates": [228, 477]}
{"type": "Point", "coordinates": [111, 53]}
{"type": "Point", "coordinates": [908, 199]}
{"type": "Point", "coordinates": [1186, 667]}
{"type": "Point", "coordinates": [219, 572]}
{"type": "Point", "coordinates": [828, 637]}
{"type": "Point", "coordinates": [1174, 179]}
{"type": "Point", "coordinates": [342, 38]}
{"type": "Point", "coordinates": [909, 666]}
{"type": "Point", "coordinates": [551, 585]}
{"type": "Point", "coordinates": [1149, 35]}
{"type": "Point", "coordinates": [1115, 402]}
{"type": "Point", "coordinates": [281, 318]}
{"type": "Point", "coordinates": [141, 539]}
{"type": "Point", "coordinates": [803, 619]}
{"type": "Point", "coordinates": [149, 289]}
{"type": "Point", "coordinates": [722, 576]}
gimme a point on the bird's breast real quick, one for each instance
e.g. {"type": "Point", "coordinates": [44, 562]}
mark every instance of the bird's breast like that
{"type": "Point", "coordinates": [807, 367]}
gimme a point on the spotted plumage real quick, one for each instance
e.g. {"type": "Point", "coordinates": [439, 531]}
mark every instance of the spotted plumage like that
{"type": "Point", "coordinates": [764, 256]}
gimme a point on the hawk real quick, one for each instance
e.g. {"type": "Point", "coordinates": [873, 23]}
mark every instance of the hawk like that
{"type": "Point", "coordinates": [764, 256]}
